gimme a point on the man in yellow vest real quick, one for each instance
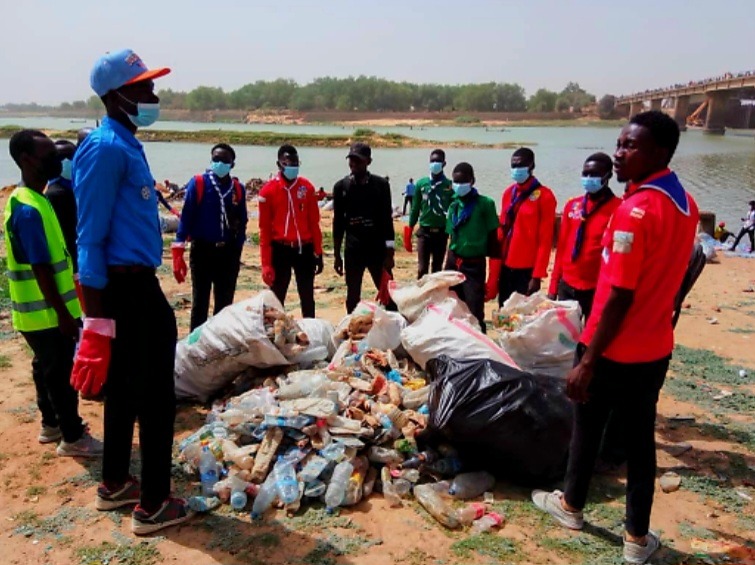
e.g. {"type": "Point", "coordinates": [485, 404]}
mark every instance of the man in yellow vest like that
{"type": "Point", "coordinates": [44, 304]}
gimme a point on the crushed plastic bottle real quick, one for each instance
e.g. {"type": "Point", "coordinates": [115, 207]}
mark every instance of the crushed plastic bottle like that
{"type": "Point", "coordinates": [208, 472]}
{"type": "Point", "coordinates": [436, 506]}
{"type": "Point", "coordinates": [313, 469]}
{"type": "Point", "coordinates": [389, 490]}
{"type": "Point", "coordinates": [486, 523]}
{"type": "Point", "coordinates": [337, 487]}
{"type": "Point", "coordinates": [265, 497]}
{"type": "Point", "coordinates": [383, 455]}
{"type": "Point", "coordinates": [297, 422]}
{"type": "Point", "coordinates": [334, 452]}
{"type": "Point", "coordinates": [470, 513]}
{"type": "Point", "coordinates": [285, 481]}
{"type": "Point", "coordinates": [402, 487]}
{"type": "Point", "coordinates": [203, 503]}
{"type": "Point", "coordinates": [315, 489]}
{"type": "Point", "coordinates": [471, 485]}
{"type": "Point", "coordinates": [239, 500]}
{"type": "Point", "coordinates": [303, 386]}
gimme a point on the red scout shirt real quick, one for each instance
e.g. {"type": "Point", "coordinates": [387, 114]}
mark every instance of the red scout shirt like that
{"type": "Point", "coordinates": [529, 246]}
{"type": "Point", "coordinates": [581, 273]}
{"type": "Point", "coordinates": [288, 214]}
{"type": "Point", "coordinates": [646, 249]}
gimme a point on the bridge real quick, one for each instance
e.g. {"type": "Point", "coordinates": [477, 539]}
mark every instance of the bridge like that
{"type": "Point", "coordinates": [722, 102]}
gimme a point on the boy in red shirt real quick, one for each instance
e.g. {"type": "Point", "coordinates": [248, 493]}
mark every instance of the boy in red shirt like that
{"type": "Point", "coordinates": [580, 240]}
{"type": "Point", "coordinates": [290, 236]}
{"type": "Point", "coordinates": [624, 351]}
{"type": "Point", "coordinates": [528, 212]}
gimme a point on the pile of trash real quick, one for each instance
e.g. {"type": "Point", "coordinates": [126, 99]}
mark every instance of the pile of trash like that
{"type": "Point", "coordinates": [371, 405]}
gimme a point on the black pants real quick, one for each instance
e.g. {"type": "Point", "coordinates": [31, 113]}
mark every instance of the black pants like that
{"type": "Point", "coordinates": [356, 260]}
{"type": "Point", "coordinates": [140, 384]}
{"type": "Point", "coordinates": [511, 281]}
{"type": "Point", "coordinates": [631, 391]}
{"type": "Point", "coordinates": [431, 246]}
{"type": "Point", "coordinates": [286, 258]}
{"type": "Point", "coordinates": [212, 268]}
{"type": "Point", "coordinates": [584, 297]}
{"type": "Point", "coordinates": [472, 290]}
{"type": "Point", "coordinates": [407, 202]}
{"type": "Point", "coordinates": [750, 233]}
{"type": "Point", "coordinates": [51, 371]}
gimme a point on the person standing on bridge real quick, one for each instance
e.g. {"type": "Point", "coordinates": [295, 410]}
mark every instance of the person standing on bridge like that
{"type": "Point", "coordinates": [748, 227]}
{"type": "Point", "coordinates": [580, 240]}
{"type": "Point", "coordinates": [528, 214]}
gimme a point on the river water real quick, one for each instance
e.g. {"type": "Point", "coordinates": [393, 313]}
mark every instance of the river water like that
{"type": "Point", "coordinates": [719, 171]}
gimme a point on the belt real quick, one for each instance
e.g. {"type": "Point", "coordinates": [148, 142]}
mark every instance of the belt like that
{"type": "Point", "coordinates": [292, 243]}
{"type": "Point", "coordinates": [130, 269]}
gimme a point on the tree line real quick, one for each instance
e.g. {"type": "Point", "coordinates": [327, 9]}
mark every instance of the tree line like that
{"type": "Point", "coordinates": [366, 94]}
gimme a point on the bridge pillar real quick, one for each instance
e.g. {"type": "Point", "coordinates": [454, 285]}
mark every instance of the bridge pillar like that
{"type": "Point", "coordinates": [635, 108]}
{"type": "Point", "coordinates": [622, 110]}
{"type": "Point", "coordinates": [715, 121]}
{"type": "Point", "coordinates": [656, 103]}
{"type": "Point", "coordinates": [681, 111]}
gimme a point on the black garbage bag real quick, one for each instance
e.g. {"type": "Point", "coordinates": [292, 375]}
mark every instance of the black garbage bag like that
{"type": "Point", "coordinates": [514, 424]}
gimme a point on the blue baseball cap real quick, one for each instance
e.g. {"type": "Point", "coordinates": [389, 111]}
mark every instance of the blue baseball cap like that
{"type": "Point", "coordinates": [117, 68]}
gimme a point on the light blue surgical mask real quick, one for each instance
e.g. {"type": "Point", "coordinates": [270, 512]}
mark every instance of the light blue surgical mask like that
{"type": "Point", "coordinates": [220, 169]}
{"type": "Point", "coordinates": [592, 184]}
{"type": "Point", "coordinates": [520, 174]}
{"type": "Point", "coordinates": [66, 170]}
{"type": "Point", "coordinates": [290, 171]}
{"type": "Point", "coordinates": [436, 168]}
{"type": "Point", "coordinates": [462, 189]}
{"type": "Point", "coordinates": [147, 113]}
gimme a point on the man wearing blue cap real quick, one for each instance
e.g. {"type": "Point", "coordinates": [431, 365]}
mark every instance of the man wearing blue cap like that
{"type": "Point", "coordinates": [129, 336]}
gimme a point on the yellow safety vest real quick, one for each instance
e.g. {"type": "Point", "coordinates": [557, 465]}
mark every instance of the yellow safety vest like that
{"type": "Point", "coordinates": [30, 311]}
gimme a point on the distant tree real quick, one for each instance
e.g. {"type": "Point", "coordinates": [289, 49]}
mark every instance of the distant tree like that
{"type": "Point", "coordinates": [79, 104]}
{"type": "Point", "coordinates": [606, 106]}
{"type": "Point", "coordinates": [94, 102]}
{"type": "Point", "coordinates": [206, 98]}
{"type": "Point", "coordinates": [573, 98]}
{"type": "Point", "coordinates": [543, 100]}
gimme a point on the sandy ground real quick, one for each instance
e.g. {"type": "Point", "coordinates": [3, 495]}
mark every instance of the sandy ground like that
{"type": "Point", "coordinates": [47, 512]}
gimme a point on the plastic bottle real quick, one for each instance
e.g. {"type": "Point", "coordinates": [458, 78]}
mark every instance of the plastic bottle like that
{"type": "Point", "coordinates": [285, 481]}
{"type": "Point", "coordinates": [486, 523]}
{"type": "Point", "coordinates": [423, 458]}
{"type": "Point", "coordinates": [389, 490]}
{"type": "Point", "coordinates": [313, 469]}
{"type": "Point", "coordinates": [334, 452]}
{"type": "Point", "coordinates": [447, 467]}
{"type": "Point", "coordinates": [436, 506]}
{"type": "Point", "coordinates": [208, 471]}
{"type": "Point", "coordinates": [337, 487]}
{"type": "Point", "coordinates": [471, 485]}
{"type": "Point", "coordinates": [239, 500]}
{"type": "Point", "coordinates": [470, 513]}
{"type": "Point", "coordinates": [304, 386]}
{"type": "Point", "coordinates": [383, 455]}
{"type": "Point", "coordinates": [296, 422]}
{"type": "Point", "coordinates": [265, 497]}
{"type": "Point", "coordinates": [315, 489]}
{"type": "Point", "coordinates": [402, 487]}
{"type": "Point", "coordinates": [411, 475]}
{"type": "Point", "coordinates": [394, 376]}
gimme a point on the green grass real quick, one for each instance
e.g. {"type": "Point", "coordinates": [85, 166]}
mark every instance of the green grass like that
{"type": "Point", "coordinates": [707, 366]}
{"type": "Point", "coordinates": [5, 362]}
{"type": "Point", "coordinates": [687, 530]}
{"type": "Point", "coordinates": [36, 490]}
{"type": "Point", "coordinates": [720, 492]}
{"type": "Point", "coordinates": [486, 545]}
{"type": "Point", "coordinates": [106, 553]}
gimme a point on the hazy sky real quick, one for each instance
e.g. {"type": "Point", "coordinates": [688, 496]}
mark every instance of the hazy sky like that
{"type": "Point", "coordinates": [607, 46]}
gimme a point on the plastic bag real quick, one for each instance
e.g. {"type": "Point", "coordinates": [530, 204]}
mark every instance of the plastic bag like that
{"type": "Point", "coordinates": [437, 332]}
{"type": "Point", "coordinates": [512, 423]}
{"type": "Point", "coordinates": [321, 346]}
{"type": "Point", "coordinates": [221, 348]}
{"type": "Point", "coordinates": [709, 246]}
{"type": "Point", "coordinates": [540, 334]}
{"type": "Point", "coordinates": [386, 326]}
{"type": "Point", "coordinates": [412, 299]}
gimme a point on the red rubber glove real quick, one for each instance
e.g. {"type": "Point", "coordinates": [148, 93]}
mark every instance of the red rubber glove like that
{"type": "Point", "coordinates": [383, 296]}
{"type": "Point", "coordinates": [268, 275]}
{"type": "Point", "coordinates": [79, 292]}
{"type": "Point", "coordinates": [179, 265]}
{"type": "Point", "coordinates": [92, 360]}
{"type": "Point", "coordinates": [491, 286]}
{"type": "Point", "coordinates": [408, 238]}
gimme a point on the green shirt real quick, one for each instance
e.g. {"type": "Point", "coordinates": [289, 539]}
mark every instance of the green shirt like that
{"type": "Point", "coordinates": [470, 240]}
{"type": "Point", "coordinates": [430, 203]}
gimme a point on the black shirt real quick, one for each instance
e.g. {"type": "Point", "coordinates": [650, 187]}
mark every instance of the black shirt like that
{"type": "Point", "coordinates": [363, 212]}
{"type": "Point", "coordinates": [60, 194]}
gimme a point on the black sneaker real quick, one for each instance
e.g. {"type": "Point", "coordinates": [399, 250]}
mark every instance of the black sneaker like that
{"type": "Point", "coordinates": [126, 495]}
{"type": "Point", "coordinates": [173, 511]}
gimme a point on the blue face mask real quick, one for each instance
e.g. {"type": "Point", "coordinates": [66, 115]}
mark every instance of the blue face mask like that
{"type": "Point", "coordinates": [592, 184]}
{"type": "Point", "coordinates": [220, 169]}
{"type": "Point", "coordinates": [290, 171]}
{"type": "Point", "coordinates": [462, 189]}
{"type": "Point", "coordinates": [520, 174]}
{"type": "Point", "coordinates": [66, 165]}
{"type": "Point", "coordinates": [436, 168]}
{"type": "Point", "coordinates": [147, 113]}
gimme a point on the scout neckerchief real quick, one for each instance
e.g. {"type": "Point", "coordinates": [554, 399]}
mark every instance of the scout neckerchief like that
{"type": "Point", "coordinates": [517, 199]}
{"type": "Point", "coordinates": [458, 219]}
{"type": "Point", "coordinates": [222, 196]}
{"type": "Point", "coordinates": [583, 220]}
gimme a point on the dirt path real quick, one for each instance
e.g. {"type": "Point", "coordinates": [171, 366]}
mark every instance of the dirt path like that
{"type": "Point", "coordinates": [47, 510]}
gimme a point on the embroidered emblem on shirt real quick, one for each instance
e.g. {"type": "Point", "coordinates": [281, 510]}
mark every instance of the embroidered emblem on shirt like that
{"type": "Point", "coordinates": [302, 193]}
{"type": "Point", "coordinates": [535, 195]}
{"type": "Point", "coordinates": [622, 241]}
{"type": "Point", "coordinates": [637, 213]}
{"type": "Point", "coordinates": [576, 212]}
{"type": "Point", "coordinates": [145, 192]}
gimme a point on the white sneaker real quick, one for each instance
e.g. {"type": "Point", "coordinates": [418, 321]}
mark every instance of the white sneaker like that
{"type": "Point", "coordinates": [86, 446]}
{"type": "Point", "coordinates": [550, 502]}
{"type": "Point", "coordinates": [638, 554]}
{"type": "Point", "coordinates": [49, 434]}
